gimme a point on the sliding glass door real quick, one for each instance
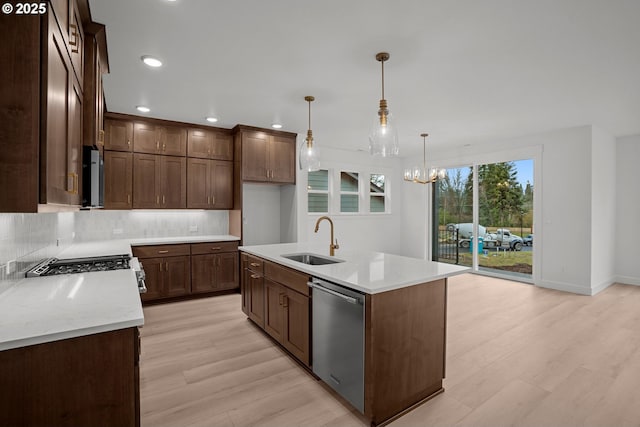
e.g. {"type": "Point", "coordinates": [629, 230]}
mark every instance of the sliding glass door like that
{"type": "Point", "coordinates": [503, 207]}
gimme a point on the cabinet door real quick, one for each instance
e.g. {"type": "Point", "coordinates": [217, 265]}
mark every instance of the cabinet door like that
{"type": "Point", "coordinates": [222, 184]}
{"type": "Point", "coordinates": [118, 135]}
{"type": "Point", "coordinates": [256, 298]}
{"type": "Point", "coordinates": [282, 160]}
{"type": "Point", "coordinates": [76, 42]}
{"type": "Point", "coordinates": [198, 183]}
{"type": "Point", "coordinates": [173, 182]}
{"type": "Point", "coordinates": [173, 140]}
{"type": "Point", "coordinates": [226, 271]}
{"type": "Point", "coordinates": [146, 181]}
{"type": "Point", "coordinates": [222, 148]}
{"type": "Point", "coordinates": [145, 138]}
{"type": "Point", "coordinates": [203, 273]}
{"type": "Point", "coordinates": [273, 309]}
{"type": "Point", "coordinates": [55, 182]}
{"type": "Point", "coordinates": [177, 276]}
{"type": "Point", "coordinates": [296, 334]}
{"type": "Point", "coordinates": [153, 270]}
{"type": "Point", "coordinates": [245, 288]}
{"type": "Point", "coordinates": [254, 156]}
{"type": "Point", "coordinates": [118, 180]}
{"type": "Point", "coordinates": [74, 144]}
{"type": "Point", "coordinates": [199, 143]}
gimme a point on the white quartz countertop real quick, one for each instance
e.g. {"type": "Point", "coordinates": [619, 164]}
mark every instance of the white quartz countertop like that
{"type": "Point", "coordinates": [364, 271]}
{"type": "Point", "coordinates": [51, 308]}
{"type": "Point", "coordinates": [44, 309]}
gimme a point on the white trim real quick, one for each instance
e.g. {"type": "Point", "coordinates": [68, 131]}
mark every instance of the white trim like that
{"type": "Point", "coordinates": [566, 287]}
{"type": "Point", "coordinates": [628, 280]}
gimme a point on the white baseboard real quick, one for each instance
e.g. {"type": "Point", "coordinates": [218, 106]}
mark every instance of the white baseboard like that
{"type": "Point", "coordinates": [627, 280]}
{"type": "Point", "coordinates": [565, 287]}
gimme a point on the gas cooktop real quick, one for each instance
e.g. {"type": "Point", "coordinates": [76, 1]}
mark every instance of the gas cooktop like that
{"type": "Point", "coordinates": [55, 266]}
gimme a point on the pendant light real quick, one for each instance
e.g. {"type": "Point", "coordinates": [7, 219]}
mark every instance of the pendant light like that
{"type": "Point", "coordinates": [383, 138]}
{"type": "Point", "coordinates": [309, 160]}
{"type": "Point", "coordinates": [424, 176]}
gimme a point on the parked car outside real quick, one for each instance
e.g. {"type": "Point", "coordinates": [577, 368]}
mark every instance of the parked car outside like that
{"type": "Point", "coordinates": [528, 240]}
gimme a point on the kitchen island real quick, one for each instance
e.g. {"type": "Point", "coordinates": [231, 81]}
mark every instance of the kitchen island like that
{"type": "Point", "coordinates": [403, 319]}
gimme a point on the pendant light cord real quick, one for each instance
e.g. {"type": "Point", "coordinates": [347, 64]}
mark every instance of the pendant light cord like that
{"type": "Point", "coordinates": [382, 64]}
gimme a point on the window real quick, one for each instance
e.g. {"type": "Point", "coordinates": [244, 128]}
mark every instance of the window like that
{"type": "Point", "coordinates": [349, 192]}
{"type": "Point", "coordinates": [377, 196]}
{"type": "Point", "coordinates": [318, 189]}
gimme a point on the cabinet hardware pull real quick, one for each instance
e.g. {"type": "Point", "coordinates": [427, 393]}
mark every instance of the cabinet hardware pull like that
{"type": "Point", "coordinates": [101, 136]}
{"type": "Point", "coordinates": [157, 200]}
{"type": "Point", "coordinates": [75, 34]}
{"type": "Point", "coordinates": [285, 301]}
{"type": "Point", "coordinates": [157, 145]}
{"type": "Point", "coordinates": [129, 142]}
{"type": "Point", "coordinates": [164, 146]}
{"type": "Point", "coordinates": [128, 199]}
{"type": "Point", "coordinates": [74, 183]}
{"type": "Point", "coordinates": [163, 200]}
{"type": "Point", "coordinates": [160, 267]}
{"type": "Point", "coordinates": [166, 266]}
{"type": "Point", "coordinates": [280, 295]}
{"type": "Point", "coordinates": [255, 276]}
{"type": "Point", "coordinates": [213, 200]}
{"type": "Point", "coordinates": [216, 248]}
{"type": "Point", "coordinates": [254, 264]}
{"type": "Point", "coordinates": [163, 252]}
{"type": "Point", "coordinates": [208, 200]}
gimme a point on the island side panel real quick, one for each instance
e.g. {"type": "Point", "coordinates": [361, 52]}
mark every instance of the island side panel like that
{"type": "Point", "coordinates": [405, 332]}
{"type": "Point", "coordinates": [91, 380]}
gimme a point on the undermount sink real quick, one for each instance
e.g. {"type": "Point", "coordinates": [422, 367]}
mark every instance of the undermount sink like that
{"type": "Point", "coordinates": [312, 259]}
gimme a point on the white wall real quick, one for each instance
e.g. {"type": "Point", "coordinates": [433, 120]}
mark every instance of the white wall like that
{"type": "Point", "coordinates": [627, 250]}
{"type": "Point", "coordinates": [261, 210]}
{"type": "Point", "coordinates": [374, 232]}
{"type": "Point", "coordinates": [603, 209]}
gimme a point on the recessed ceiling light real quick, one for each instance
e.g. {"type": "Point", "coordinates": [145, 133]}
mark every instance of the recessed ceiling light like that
{"type": "Point", "coordinates": [143, 109]}
{"type": "Point", "coordinates": [151, 61]}
{"type": "Point", "coordinates": [276, 126]}
{"type": "Point", "coordinates": [212, 119]}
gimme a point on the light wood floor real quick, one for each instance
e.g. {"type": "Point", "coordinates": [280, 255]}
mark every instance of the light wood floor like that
{"type": "Point", "coordinates": [517, 355]}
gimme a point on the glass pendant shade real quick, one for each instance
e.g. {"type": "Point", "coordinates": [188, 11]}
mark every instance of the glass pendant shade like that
{"type": "Point", "coordinates": [383, 138]}
{"type": "Point", "coordinates": [308, 156]}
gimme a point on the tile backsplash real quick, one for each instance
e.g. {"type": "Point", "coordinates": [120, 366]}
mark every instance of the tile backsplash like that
{"type": "Point", "coordinates": [28, 238]}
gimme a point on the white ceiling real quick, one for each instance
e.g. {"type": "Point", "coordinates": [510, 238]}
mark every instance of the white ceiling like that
{"type": "Point", "coordinates": [464, 71]}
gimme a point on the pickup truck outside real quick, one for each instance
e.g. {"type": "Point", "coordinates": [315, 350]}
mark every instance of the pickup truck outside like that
{"type": "Point", "coordinates": [502, 238]}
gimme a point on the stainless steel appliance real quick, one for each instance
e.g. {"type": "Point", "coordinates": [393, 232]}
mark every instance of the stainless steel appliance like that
{"type": "Point", "coordinates": [338, 339]}
{"type": "Point", "coordinates": [54, 266]}
{"type": "Point", "coordinates": [92, 177]}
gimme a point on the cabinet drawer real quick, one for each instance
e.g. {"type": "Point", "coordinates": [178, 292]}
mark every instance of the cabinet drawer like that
{"type": "Point", "coordinates": [253, 263]}
{"type": "Point", "coordinates": [288, 277]}
{"type": "Point", "coordinates": [161, 251]}
{"type": "Point", "coordinates": [213, 247]}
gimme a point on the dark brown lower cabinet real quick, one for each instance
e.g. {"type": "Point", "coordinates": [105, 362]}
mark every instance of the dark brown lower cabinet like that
{"type": "Point", "coordinates": [278, 301]}
{"type": "Point", "coordinates": [167, 269]}
{"type": "Point", "coordinates": [85, 381]}
{"type": "Point", "coordinates": [214, 272]}
{"type": "Point", "coordinates": [179, 270]}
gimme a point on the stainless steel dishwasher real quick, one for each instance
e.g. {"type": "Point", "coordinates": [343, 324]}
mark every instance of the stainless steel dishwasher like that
{"type": "Point", "coordinates": [338, 339]}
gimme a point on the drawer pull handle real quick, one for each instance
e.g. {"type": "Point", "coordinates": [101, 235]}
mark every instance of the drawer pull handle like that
{"type": "Point", "coordinates": [163, 252]}
{"type": "Point", "coordinates": [255, 264]}
{"type": "Point", "coordinates": [216, 248]}
{"type": "Point", "coordinates": [255, 276]}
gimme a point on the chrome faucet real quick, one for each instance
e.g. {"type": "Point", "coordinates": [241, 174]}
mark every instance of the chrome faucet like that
{"type": "Point", "coordinates": [332, 247]}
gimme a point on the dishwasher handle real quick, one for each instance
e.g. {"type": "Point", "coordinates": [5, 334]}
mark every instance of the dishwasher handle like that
{"type": "Point", "coordinates": [316, 285]}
